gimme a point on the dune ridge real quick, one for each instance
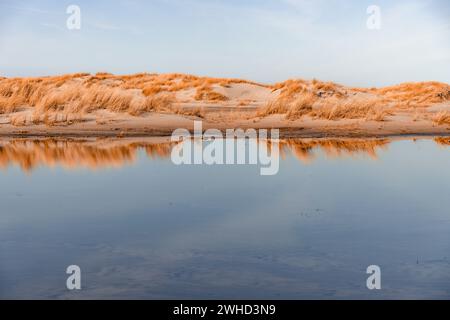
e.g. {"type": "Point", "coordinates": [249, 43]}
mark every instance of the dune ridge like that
{"type": "Point", "coordinates": [103, 98]}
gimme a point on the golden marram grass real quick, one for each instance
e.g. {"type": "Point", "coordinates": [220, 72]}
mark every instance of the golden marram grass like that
{"type": "Point", "coordinates": [69, 98]}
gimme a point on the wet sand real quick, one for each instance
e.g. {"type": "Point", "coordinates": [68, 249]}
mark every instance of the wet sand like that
{"type": "Point", "coordinates": [157, 125]}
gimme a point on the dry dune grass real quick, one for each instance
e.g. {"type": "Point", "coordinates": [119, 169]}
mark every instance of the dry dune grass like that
{"type": "Point", "coordinates": [416, 94]}
{"type": "Point", "coordinates": [332, 109]}
{"type": "Point", "coordinates": [66, 99]}
{"type": "Point", "coordinates": [301, 106]}
{"type": "Point", "coordinates": [203, 86]}
{"type": "Point", "coordinates": [293, 98]}
{"type": "Point", "coordinates": [327, 100]}
{"type": "Point", "coordinates": [54, 99]}
{"type": "Point", "coordinates": [156, 103]}
{"type": "Point", "coordinates": [323, 100]}
{"type": "Point", "coordinates": [207, 93]}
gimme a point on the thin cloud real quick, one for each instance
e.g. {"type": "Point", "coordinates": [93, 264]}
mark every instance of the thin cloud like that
{"type": "Point", "coordinates": [52, 26]}
{"type": "Point", "coordinates": [105, 26]}
{"type": "Point", "coordinates": [29, 9]}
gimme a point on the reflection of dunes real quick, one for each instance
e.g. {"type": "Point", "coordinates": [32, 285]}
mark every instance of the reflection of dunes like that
{"type": "Point", "coordinates": [304, 150]}
{"type": "Point", "coordinates": [159, 150]}
{"type": "Point", "coordinates": [443, 141]}
{"type": "Point", "coordinates": [29, 154]}
{"type": "Point", "coordinates": [102, 153]}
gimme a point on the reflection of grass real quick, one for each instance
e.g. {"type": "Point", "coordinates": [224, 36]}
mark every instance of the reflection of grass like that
{"type": "Point", "coordinates": [100, 153]}
{"type": "Point", "coordinates": [443, 141]}
{"type": "Point", "coordinates": [29, 154]}
{"type": "Point", "coordinates": [334, 148]}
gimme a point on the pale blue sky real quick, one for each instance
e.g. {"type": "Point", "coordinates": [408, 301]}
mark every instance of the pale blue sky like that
{"type": "Point", "coordinates": [263, 40]}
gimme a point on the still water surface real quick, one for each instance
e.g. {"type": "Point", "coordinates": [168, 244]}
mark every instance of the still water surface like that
{"type": "Point", "coordinates": [141, 227]}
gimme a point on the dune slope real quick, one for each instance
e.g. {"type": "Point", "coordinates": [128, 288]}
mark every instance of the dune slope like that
{"type": "Point", "coordinates": [148, 104]}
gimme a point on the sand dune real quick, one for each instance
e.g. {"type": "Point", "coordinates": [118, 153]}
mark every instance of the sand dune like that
{"type": "Point", "coordinates": [155, 104]}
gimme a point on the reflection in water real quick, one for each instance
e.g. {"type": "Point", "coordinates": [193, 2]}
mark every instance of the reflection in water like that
{"type": "Point", "coordinates": [103, 153]}
{"type": "Point", "coordinates": [304, 150]}
{"type": "Point", "coordinates": [70, 154]}
{"type": "Point", "coordinates": [153, 230]}
{"type": "Point", "coordinates": [444, 141]}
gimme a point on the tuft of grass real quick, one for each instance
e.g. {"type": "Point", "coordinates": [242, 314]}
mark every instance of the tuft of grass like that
{"type": "Point", "coordinates": [159, 103]}
{"type": "Point", "coordinates": [208, 94]}
{"type": "Point", "coordinates": [351, 109]}
{"type": "Point", "coordinates": [301, 106]}
{"type": "Point", "coordinates": [323, 100]}
{"type": "Point", "coordinates": [152, 90]}
{"type": "Point", "coordinates": [417, 93]}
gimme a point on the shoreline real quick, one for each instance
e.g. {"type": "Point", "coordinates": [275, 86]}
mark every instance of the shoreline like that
{"type": "Point", "coordinates": [167, 139]}
{"type": "Point", "coordinates": [283, 135]}
{"type": "Point", "coordinates": [158, 127]}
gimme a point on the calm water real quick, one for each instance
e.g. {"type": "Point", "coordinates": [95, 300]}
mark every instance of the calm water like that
{"type": "Point", "coordinates": [141, 227]}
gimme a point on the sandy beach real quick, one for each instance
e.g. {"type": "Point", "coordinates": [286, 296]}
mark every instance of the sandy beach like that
{"type": "Point", "coordinates": [84, 105]}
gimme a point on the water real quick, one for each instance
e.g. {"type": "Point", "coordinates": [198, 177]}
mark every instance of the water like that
{"type": "Point", "coordinates": [140, 227]}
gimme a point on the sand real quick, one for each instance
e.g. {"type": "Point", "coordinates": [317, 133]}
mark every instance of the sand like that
{"type": "Point", "coordinates": [157, 125]}
{"type": "Point", "coordinates": [240, 108]}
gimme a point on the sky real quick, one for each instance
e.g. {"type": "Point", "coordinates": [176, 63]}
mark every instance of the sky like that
{"type": "Point", "coordinates": [261, 40]}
